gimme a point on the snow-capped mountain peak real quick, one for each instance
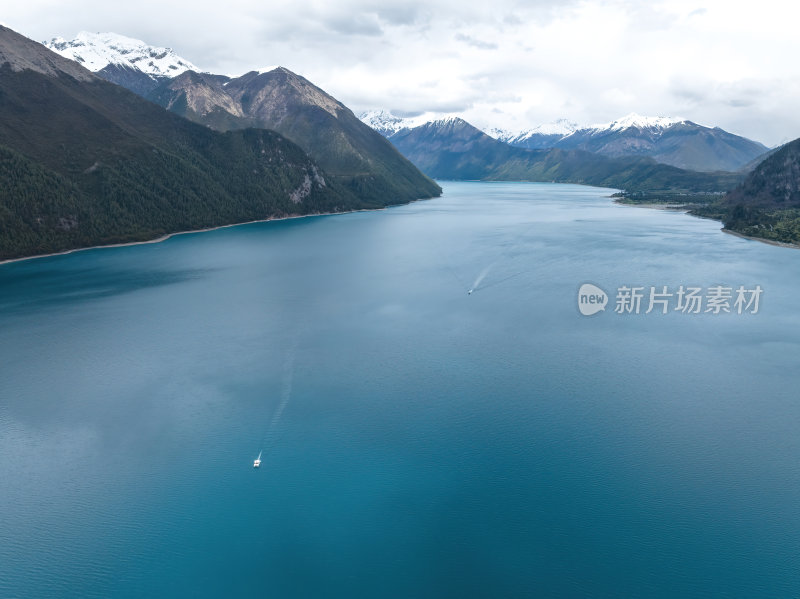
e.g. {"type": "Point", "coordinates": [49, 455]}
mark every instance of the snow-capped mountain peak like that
{"type": "Point", "coordinates": [447, 120]}
{"type": "Point", "coordinates": [383, 121]}
{"type": "Point", "coordinates": [558, 127]}
{"type": "Point", "coordinates": [640, 122]}
{"type": "Point", "coordinates": [387, 124]}
{"type": "Point", "coordinates": [96, 51]}
{"type": "Point", "coordinates": [554, 129]}
{"type": "Point", "coordinates": [498, 133]}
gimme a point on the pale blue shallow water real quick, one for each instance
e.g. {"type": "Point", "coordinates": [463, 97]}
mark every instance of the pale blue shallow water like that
{"type": "Point", "coordinates": [434, 444]}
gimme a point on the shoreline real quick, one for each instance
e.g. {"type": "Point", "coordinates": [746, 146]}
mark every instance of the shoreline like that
{"type": "Point", "coordinates": [687, 210]}
{"type": "Point", "coordinates": [782, 244]}
{"type": "Point", "coordinates": [206, 230]}
{"type": "Point", "coordinates": [656, 206]}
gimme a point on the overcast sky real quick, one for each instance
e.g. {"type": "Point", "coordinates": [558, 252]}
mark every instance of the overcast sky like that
{"type": "Point", "coordinates": [504, 63]}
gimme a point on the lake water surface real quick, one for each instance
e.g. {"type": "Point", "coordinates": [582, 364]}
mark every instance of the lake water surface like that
{"type": "Point", "coordinates": [418, 441]}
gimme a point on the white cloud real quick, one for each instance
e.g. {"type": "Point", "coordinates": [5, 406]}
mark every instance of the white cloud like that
{"type": "Point", "coordinates": [508, 62]}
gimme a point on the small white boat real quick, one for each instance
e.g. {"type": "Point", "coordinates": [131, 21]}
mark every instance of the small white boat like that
{"type": "Point", "coordinates": [257, 461]}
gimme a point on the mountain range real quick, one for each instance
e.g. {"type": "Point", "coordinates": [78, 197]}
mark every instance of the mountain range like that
{"type": "Point", "coordinates": [86, 162]}
{"type": "Point", "coordinates": [83, 161]}
{"type": "Point", "coordinates": [326, 129]}
{"type": "Point", "coordinates": [451, 148]}
{"type": "Point", "coordinates": [540, 137]}
{"type": "Point", "coordinates": [274, 99]}
{"type": "Point", "coordinates": [673, 141]}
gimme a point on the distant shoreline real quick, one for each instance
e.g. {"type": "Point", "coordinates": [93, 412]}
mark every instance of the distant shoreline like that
{"type": "Point", "coordinates": [206, 230]}
{"type": "Point", "coordinates": [687, 210]}
{"type": "Point", "coordinates": [782, 244]}
{"type": "Point", "coordinates": [656, 206]}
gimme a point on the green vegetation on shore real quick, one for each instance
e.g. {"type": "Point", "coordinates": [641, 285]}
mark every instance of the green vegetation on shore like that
{"type": "Point", "coordinates": [152, 192]}
{"type": "Point", "coordinates": [782, 225]}
{"type": "Point", "coordinates": [765, 205]}
{"type": "Point", "coordinates": [90, 163]}
{"type": "Point", "coordinates": [84, 162]}
{"type": "Point", "coordinates": [676, 199]}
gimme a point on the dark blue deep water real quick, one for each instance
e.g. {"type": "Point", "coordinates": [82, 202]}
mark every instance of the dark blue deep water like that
{"type": "Point", "coordinates": [418, 442]}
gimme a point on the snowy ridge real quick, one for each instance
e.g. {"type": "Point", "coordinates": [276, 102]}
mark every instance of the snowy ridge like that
{"type": "Point", "coordinates": [561, 127]}
{"type": "Point", "coordinates": [383, 121]}
{"type": "Point", "coordinates": [498, 133]}
{"type": "Point", "coordinates": [96, 51]}
{"type": "Point", "coordinates": [669, 140]}
{"type": "Point", "coordinates": [446, 120]}
{"type": "Point", "coordinates": [565, 128]}
{"type": "Point", "coordinates": [638, 121]}
{"type": "Point", "coordinates": [387, 124]}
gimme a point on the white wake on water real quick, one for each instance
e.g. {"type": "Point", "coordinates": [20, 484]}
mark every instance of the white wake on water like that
{"type": "Point", "coordinates": [480, 278]}
{"type": "Point", "coordinates": [286, 394]}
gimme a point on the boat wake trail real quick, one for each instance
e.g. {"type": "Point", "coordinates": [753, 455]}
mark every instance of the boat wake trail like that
{"type": "Point", "coordinates": [506, 256]}
{"type": "Point", "coordinates": [480, 278]}
{"type": "Point", "coordinates": [508, 278]}
{"type": "Point", "coordinates": [286, 391]}
{"type": "Point", "coordinates": [268, 441]}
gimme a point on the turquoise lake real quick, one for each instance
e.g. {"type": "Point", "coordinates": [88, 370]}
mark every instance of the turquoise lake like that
{"type": "Point", "coordinates": [417, 441]}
